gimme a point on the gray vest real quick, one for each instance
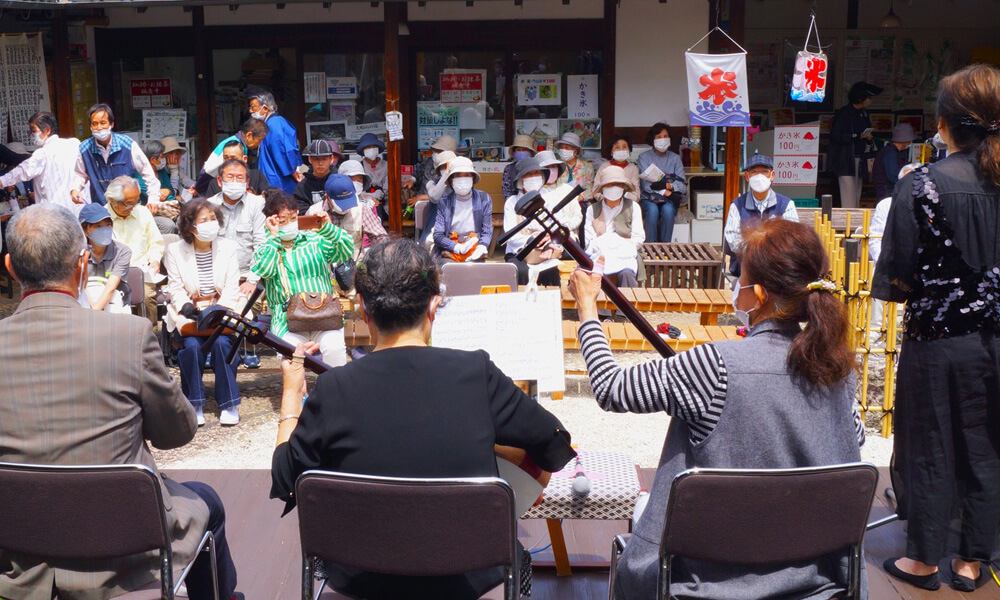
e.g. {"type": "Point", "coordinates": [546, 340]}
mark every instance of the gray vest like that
{"type": "Point", "coordinates": [772, 419]}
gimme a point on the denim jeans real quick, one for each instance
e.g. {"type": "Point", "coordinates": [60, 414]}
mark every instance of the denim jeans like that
{"type": "Point", "coordinates": [199, 578]}
{"type": "Point", "coordinates": [658, 220]}
{"type": "Point", "coordinates": [191, 360]}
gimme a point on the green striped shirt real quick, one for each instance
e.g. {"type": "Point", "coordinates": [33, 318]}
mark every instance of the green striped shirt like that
{"type": "Point", "coordinates": [307, 264]}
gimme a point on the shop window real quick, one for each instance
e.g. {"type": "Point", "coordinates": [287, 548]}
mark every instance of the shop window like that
{"type": "Point", "coordinates": [239, 71]}
{"type": "Point", "coordinates": [344, 97]}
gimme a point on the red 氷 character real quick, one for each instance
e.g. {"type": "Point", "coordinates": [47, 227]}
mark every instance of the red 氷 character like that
{"type": "Point", "coordinates": [815, 75]}
{"type": "Point", "coordinates": [719, 86]}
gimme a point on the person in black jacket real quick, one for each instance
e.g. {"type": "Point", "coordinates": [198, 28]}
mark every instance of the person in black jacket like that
{"type": "Point", "coordinates": [323, 156]}
{"type": "Point", "coordinates": [407, 410]}
{"type": "Point", "coordinates": [850, 128]}
{"type": "Point", "coordinates": [890, 159]}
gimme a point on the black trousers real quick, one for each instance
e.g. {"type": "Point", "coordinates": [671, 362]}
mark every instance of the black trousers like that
{"type": "Point", "coordinates": [546, 277]}
{"type": "Point", "coordinates": [947, 445]}
{"type": "Point", "coordinates": [199, 578]}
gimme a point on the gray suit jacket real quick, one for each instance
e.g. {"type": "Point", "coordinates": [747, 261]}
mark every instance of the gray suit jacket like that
{"type": "Point", "coordinates": [79, 387]}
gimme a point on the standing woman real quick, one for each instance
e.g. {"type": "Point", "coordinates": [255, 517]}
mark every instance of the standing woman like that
{"type": "Point", "coordinates": [850, 128]}
{"type": "Point", "coordinates": [202, 270]}
{"type": "Point", "coordinates": [661, 199]}
{"type": "Point", "coordinates": [940, 255]}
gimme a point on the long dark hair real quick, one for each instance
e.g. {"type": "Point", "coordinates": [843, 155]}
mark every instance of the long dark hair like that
{"type": "Point", "coordinates": [784, 257]}
{"type": "Point", "coordinates": [969, 102]}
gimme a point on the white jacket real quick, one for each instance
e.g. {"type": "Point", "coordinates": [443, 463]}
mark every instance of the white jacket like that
{"type": "Point", "coordinates": [182, 277]}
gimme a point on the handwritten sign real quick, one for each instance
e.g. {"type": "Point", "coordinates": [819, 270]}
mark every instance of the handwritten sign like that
{"type": "Point", "coordinates": [796, 154]}
{"type": "Point", "coordinates": [463, 86]}
{"type": "Point", "coordinates": [522, 335]}
{"type": "Point", "coordinates": [315, 86]}
{"type": "Point", "coordinates": [581, 95]}
{"type": "Point", "coordinates": [434, 120]}
{"type": "Point", "coordinates": [150, 93]}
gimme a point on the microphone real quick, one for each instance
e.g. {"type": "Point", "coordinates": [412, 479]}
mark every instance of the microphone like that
{"type": "Point", "coordinates": [581, 483]}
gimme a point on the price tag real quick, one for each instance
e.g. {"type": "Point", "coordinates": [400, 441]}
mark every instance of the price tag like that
{"type": "Point", "coordinates": [394, 125]}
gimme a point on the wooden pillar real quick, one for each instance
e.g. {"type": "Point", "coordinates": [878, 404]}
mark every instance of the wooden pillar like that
{"type": "Point", "coordinates": [734, 135]}
{"type": "Point", "coordinates": [508, 98]}
{"type": "Point", "coordinates": [608, 62]}
{"type": "Point", "coordinates": [63, 106]}
{"type": "Point", "coordinates": [852, 13]}
{"type": "Point", "coordinates": [393, 17]}
{"type": "Point", "coordinates": [204, 83]}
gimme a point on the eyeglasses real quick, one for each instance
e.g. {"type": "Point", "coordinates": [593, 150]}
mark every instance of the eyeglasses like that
{"type": "Point", "coordinates": [234, 178]}
{"type": "Point", "coordinates": [125, 204]}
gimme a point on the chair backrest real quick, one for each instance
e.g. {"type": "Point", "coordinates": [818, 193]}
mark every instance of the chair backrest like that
{"type": "Point", "coordinates": [169, 238]}
{"type": "Point", "coordinates": [420, 210]}
{"type": "Point", "coordinates": [467, 279]}
{"type": "Point", "coordinates": [402, 526]}
{"type": "Point", "coordinates": [75, 512]}
{"type": "Point", "coordinates": [768, 517]}
{"type": "Point", "coordinates": [137, 286]}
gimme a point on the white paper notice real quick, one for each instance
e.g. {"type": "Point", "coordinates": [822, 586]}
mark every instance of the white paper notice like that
{"type": "Point", "coordinates": [652, 173]}
{"type": "Point", "coordinates": [522, 335]}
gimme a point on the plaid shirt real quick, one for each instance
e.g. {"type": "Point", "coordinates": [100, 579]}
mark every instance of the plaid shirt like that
{"type": "Point", "coordinates": [306, 267]}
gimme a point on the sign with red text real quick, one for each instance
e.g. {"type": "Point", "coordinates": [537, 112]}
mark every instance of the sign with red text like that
{"type": "Point", "coordinates": [466, 86]}
{"type": "Point", "coordinates": [150, 93]}
{"type": "Point", "coordinates": [796, 154]}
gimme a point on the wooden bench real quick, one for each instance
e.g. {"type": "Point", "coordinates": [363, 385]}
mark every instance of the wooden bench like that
{"type": "Point", "coordinates": [677, 265]}
{"type": "Point", "coordinates": [709, 302]}
{"type": "Point", "coordinates": [625, 336]}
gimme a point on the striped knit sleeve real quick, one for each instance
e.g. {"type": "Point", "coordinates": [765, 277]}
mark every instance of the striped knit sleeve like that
{"type": "Point", "coordinates": [335, 244]}
{"type": "Point", "coordinates": [859, 427]}
{"type": "Point", "coordinates": [690, 386]}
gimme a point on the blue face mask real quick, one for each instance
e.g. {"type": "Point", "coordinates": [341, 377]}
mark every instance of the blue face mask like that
{"type": "Point", "coordinates": [522, 154]}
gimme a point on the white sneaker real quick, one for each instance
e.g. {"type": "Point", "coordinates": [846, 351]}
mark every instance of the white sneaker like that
{"type": "Point", "coordinates": [230, 416]}
{"type": "Point", "coordinates": [200, 415]}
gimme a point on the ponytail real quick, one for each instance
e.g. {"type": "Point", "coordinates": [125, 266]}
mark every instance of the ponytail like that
{"type": "Point", "coordinates": [787, 259]}
{"type": "Point", "coordinates": [989, 156]}
{"type": "Point", "coordinates": [967, 101]}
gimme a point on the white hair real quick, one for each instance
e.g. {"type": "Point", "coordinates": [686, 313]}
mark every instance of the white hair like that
{"type": "Point", "coordinates": [116, 189]}
{"type": "Point", "coordinates": [266, 99]}
{"type": "Point", "coordinates": [45, 242]}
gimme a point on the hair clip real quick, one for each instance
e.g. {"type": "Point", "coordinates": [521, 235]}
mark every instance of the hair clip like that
{"type": "Point", "coordinates": [823, 285]}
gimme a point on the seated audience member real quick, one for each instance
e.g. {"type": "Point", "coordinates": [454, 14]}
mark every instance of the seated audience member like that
{"type": "Point", "coordinates": [234, 150]}
{"type": "Point", "coordinates": [371, 149]}
{"type": "Point", "coordinates": [558, 171]}
{"type": "Point", "coordinates": [342, 203]}
{"type": "Point", "coordinates": [427, 171]}
{"type": "Point", "coordinates": [134, 226]}
{"type": "Point", "coordinates": [94, 393]}
{"type": "Point", "coordinates": [243, 219]}
{"type": "Point", "coordinates": [530, 177]}
{"type": "Point", "coordinates": [153, 149]}
{"type": "Point", "coordinates": [463, 227]}
{"type": "Point", "coordinates": [620, 150]}
{"type": "Point", "coordinates": [581, 172]}
{"type": "Point", "coordinates": [203, 270]}
{"type": "Point", "coordinates": [523, 147]}
{"type": "Point", "coordinates": [759, 203]}
{"type": "Point", "coordinates": [109, 262]}
{"type": "Point", "coordinates": [370, 221]}
{"type": "Point", "coordinates": [173, 155]}
{"type": "Point", "coordinates": [294, 261]}
{"type": "Point", "coordinates": [891, 158]}
{"type": "Point", "coordinates": [249, 137]}
{"type": "Point", "coordinates": [440, 410]}
{"type": "Point", "coordinates": [614, 227]}
{"type": "Point", "coordinates": [323, 156]}
{"type": "Point", "coordinates": [660, 199]}
{"type": "Point", "coordinates": [436, 189]}
{"type": "Point", "coordinates": [783, 397]}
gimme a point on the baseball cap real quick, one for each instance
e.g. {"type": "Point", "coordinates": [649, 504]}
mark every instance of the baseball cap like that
{"type": "Point", "coordinates": [340, 189]}
{"type": "Point", "coordinates": [93, 213]}
{"type": "Point", "coordinates": [759, 160]}
{"type": "Point", "coordinates": [322, 148]}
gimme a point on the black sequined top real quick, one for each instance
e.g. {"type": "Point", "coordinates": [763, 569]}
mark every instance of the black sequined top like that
{"type": "Point", "coordinates": [941, 250]}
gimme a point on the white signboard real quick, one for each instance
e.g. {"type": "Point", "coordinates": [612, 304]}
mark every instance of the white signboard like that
{"type": "Point", "coordinates": [521, 333]}
{"type": "Point", "coordinates": [581, 96]}
{"type": "Point", "coordinates": [796, 154]}
{"type": "Point", "coordinates": [342, 87]}
{"type": "Point", "coordinates": [539, 89]}
{"type": "Point", "coordinates": [159, 123]}
{"type": "Point", "coordinates": [354, 132]}
{"type": "Point", "coordinates": [315, 86]}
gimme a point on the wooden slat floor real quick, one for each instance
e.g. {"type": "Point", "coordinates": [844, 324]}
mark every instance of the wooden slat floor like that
{"type": "Point", "coordinates": [266, 547]}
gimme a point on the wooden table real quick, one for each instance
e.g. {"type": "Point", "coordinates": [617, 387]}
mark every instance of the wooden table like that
{"type": "Point", "coordinates": [677, 265]}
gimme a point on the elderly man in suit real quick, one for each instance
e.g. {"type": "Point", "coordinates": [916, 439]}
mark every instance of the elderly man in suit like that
{"type": "Point", "coordinates": [89, 387]}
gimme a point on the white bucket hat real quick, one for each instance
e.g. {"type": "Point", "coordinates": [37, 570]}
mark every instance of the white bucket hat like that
{"type": "Point", "coordinates": [462, 164]}
{"type": "Point", "coordinates": [352, 168]}
{"type": "Point", "coordinates": [614, 174]}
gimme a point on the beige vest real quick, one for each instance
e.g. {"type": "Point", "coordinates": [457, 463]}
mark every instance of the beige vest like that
{"type": "Point", "coordinates": [622, 221]}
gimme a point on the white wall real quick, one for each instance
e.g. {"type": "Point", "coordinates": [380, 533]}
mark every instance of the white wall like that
{"type": "Point", "coordinates": [650, 76]}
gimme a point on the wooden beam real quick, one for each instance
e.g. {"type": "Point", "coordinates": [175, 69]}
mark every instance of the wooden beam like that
{"type": "Point", "coordinates": [608, 60]}
{"type": "Point", "coordinates": [852, 13]}
{"type": "Point", "coordinates": [204, 83]}
{"type": "Point", "coordinates": [393, 17]}
{"type": "Point", "coordinates": [63, 107]}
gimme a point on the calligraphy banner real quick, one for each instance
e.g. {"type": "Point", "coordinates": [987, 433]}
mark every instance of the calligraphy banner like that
{"type": "Point", "coordinates": [717, 89]}
{"type": "Point", "coordinates": [25, 86]}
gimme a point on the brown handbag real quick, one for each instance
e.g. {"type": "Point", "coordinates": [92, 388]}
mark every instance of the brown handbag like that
{"type": "Point", "coordinates": [310, 311]}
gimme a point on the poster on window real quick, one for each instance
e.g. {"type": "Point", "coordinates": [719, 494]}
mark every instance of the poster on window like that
{"type": "Point", "coordinates": [463, 86]}
{"type": "Point", "coordinates": [434, 120]}
{"type": "Point", "coordinates": [23, 84]}
{"type": "Point", "coordinates": [315, 86]}
{"type": "Point", "coordinates": [341, 88]}
{"type": "Point", "coordinates": [589, 131]}
{"type": "Point", "coordinates": [717, 89]}
{"type": "Point", "coordinates": [160, 123]}
{"type": "Point", "coordinates": [150, 93]}
{"type": "Point", "coordinates": [796, 154]}
{"type": "Point", "coordinates": [581, 96]}
{"type": "Point", "coordinates": [539, 89]}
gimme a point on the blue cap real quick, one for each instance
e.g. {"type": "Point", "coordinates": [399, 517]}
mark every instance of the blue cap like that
{"type": "Point", "coordinates": [370, 139]}
{"type": "Point", "coordinates": [340, 189]}
{"type": "Point", "coordinates": [759, 160]}
{"type": "Point", "coordinates": [93, 213]}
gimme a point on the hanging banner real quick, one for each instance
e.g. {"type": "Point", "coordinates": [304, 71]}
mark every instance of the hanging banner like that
{"type": "Point", "coordinates": [796, 154]}
{"type": "Point", "coordinates": [539, 90]}
{"type": "Point", "coordinates": [463, 86]}
{"type": "Point", "coordinates": [809, 78]}
{"type": "Point", "coordinates": [435, 120]}
{"type": "Point", "coordinates": [581, 96]}
{"type": "Point", "coordinates": [717, 89]}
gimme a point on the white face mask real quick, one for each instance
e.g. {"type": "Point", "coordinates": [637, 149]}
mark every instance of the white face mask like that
{"type": "Point", "coordinates": [207, 231]}
{"type": "Point", "coordinates": [101, 135]}
{"type": "Point", "coordinates": [533, 183]}
{"type": "Point", "coordinates": [234, 190]}
{"type": "Point", "coordinates": [661, 144]}
{"type": "Point", "coordinates": [742, 315]}
{"type": "Point", "coordinates": [288, 232]}
{"type": "Point", "coordinates": [462, 185]}
{"type": "Point", "coordinates": [612, 192]}
{"type": "Point", "coordinates": [620, 155]}
{"type": "Point", "coordinates": [260, 115]}
{"type": "Point", "coordinates": [371, 152]}
{"type": "Point", "coordinates": [37, 139]}
{"type": "Point", "coordinates": [358, 187]}
{"type": "Point", "coordinates": [760, 183]}
{"type": "Point", "coordinates": [566, 155]}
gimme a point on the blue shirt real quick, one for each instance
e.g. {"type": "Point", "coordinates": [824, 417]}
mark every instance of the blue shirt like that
{"type": "Point", "coordinates": [279, 154]}
{"type": "Point", "coordinates": [669, 163]}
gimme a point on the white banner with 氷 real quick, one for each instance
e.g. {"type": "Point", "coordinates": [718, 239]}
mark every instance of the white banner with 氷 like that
{"type": "Point", "coordinates": [581, 96]}
{"type": "Point", "coordinates": [717, 89]}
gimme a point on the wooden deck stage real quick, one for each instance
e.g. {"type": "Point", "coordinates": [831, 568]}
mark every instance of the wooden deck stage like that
{"type": "Point", "coordinates": [266, 547]}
